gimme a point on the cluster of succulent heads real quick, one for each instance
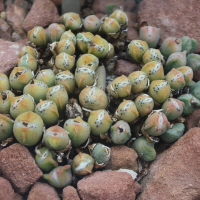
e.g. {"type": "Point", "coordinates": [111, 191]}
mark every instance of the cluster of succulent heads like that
{"type": "Point", "coordinates": [57, 98]}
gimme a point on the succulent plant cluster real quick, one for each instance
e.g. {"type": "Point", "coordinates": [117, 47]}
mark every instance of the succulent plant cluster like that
{"type": "Point", "coordinates": [56, 99]}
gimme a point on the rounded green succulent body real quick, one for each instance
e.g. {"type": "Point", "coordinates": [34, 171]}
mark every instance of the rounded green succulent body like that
{"type": "Point", "coordinates": [64, 61]}
{"type": "Point", "coordinates": [111, 25]}
{"type": "Point", "coordinates": [144, 149]}
{"type": "Point", "coordinates": [45, 160]}
{"type": "Point", "coordinates": [6, 127]}
{"type": "Point", "coordinates": [65, 45]}
{"type": "Point", "coordinates": [37, 89]}
{"type": "Point", "coordinates": [20, 77]}
{"type": "Point", "coordinates": [99, 121]}
{"type": "Point", "coordinates": [82, 164]}
{"type": "Point", "coordinates": [59, 177]}
{"type": "Point", "coordinates": [175, 60]}
{"type": "Point", "coordinates": [171, 45]}
{"type": "Point", "coordinates": [144, 104]}
{"type": "Point", "coordinates": [193, 61]}
{"type": "Point", "coordinates": [67, 79]}
{"type": "Point", "coordinates": [28, 61]}
{"type": "Point", "coordinates": [195, 90]}
{"type": "Point", "coordinates": [139, 81]}
{"type": "Point", "coordinates": [98, 47]}
{"type": "Point", "coordinates": [188, 74]}
{"type": "Point", "coordinates": [191, 103]}
{"type": "Point", "coordinates": [120, 132]}
{"type": "Point", "coordinates": [93, 98]}
{"type": "Point", "coordinates": [120, 16]}
{"type": "Point", "coordinates": [127, 111]}
{"type": "Point", "coordinates": [89, 60]}
{"type": "Point", "coordinates": [47, 76]}
{"type": "Point", "coordinates": [71, 21]}
{"type": "Point", "coordinates": [92, 23]}
{"type": "Point", "coordinates": [5, 101]}
{"type": "Point", "coordinates": [28, 128]}
{"type": "Point", "coordinates": [152, 55]}
{"type": "Point", "coordinates": [174, 133]}
{"type": "Point", "coordinates": [48, 111]}
{"type": "Point", "coordinates": [68, 34]}
{"type": "Point", "coordinates": [154, 70]}
{"type": "Point", "coordinates": [172, 108]}
{"type": "Point", "coordinates": [21, 104]}
{"type": "Point", "coordinates": [156, 124]}
{"type": "Point", "coordinates": [59, 96]}
{"type": "Point", "coordinates": [4, 82]}
{"type": "Point", "coordinates": [84, 76]}
{"type": "Point", "coordinates": [56, 138]}
{"type": "Point", "coordinates": [54, 32]}
{"type": "Point", "coordinates": [137, 48]}
{"type": "Point", "coordinates": [79, 131]}
{"type": "Point", "coordinates": [120, 87]}
{"type": "Point", "coordinates": [175, 79]}
{"type": "Point", "coordinates": [83, 39]}
{"type": "Point", "coordinates": [150, 34]}
{"type": "Point", "coordinates": [101, 153]}
{"type": "Point", "coordinates": [38, 36]}
{"type": "Point", "coordinates": [28, 50]}
{"type": "Point", "coordinates": [159, 90]}
{"type": "Point", "coordinates": [189, 44]}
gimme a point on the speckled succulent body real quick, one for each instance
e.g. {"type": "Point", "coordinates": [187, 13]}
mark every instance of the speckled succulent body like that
{"type": "Point", "coordinates": [120, 132]}
{"type": "Point", "coordinates": [68, 34]}
{"type": "Point", "coordinates": [79, 131]}
{"type": "Point", "coordinates": [159, 90]}
{"type": "Point", "coordinates": [83, 39]}
{"type": "Point", "coordinates": [64, 61]}
{"type": "Point", "coordinates": [84, 76]}
{"type": "Point", "coordinates": [152, 55]}
{"type": "Point", "coordinates": [59, 96]}
{"type": "Point", "coordinates": [47, 76]}
{"type": "Point", "coordinates": [28, 128]}
{"type": "Point", "coordinates": [144, 104]}
{"type": "Point", "coordinates": [28, 61]}
{"type": "Point", "coordinates": [120, 87]}
{"type": "Point", "coordinates": [154, 70]}
{"type": "Point", "coordinates": [111, 26]}
{"type": "Point", "coordinates": [120, 16]}
{"type": "Point", "coordinates": [175, 79]}
{"type": "Point", "coordinates": [38, 36]}
{"type": "Point", "coordinates": [89, 60]}
{"type": "Point", "coordinates": [28, 50]}
{"type": "Point", "coordinates": [127, 111]}
{"type": "Point", "coordinates": [5, 101]}
{"type": "Point", "coordinates": [21, 104]}
{"type": "Point", "coordinates": [137, 48]}
{"type": "Point", "coordinates": [37, 89]}
{"type": "Point", "coordinates": [20, 77]}
{"type": "Point", "coordinates": [139, 81]}
{"type": "Point", "coordinates": [48, 111]}
{"type": "Point", "coordinates": [67, 79]}
{"type": "Point", "coordinates": [99, 121]}
{"type": "Point", "coordinates": [93, 98]}
{"type": "Point", "coordinates": [188, 74]}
